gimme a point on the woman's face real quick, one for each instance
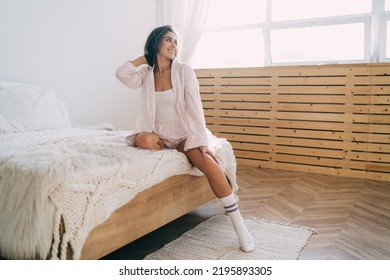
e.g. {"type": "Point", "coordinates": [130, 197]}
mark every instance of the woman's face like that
{"type": "Point", "coordinates": [168, 47]}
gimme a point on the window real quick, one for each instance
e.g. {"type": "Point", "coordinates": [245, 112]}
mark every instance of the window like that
{"type": "Point", "coordinates": [384, 34]}
{"type": "Point", "coordinates": [231, 48]}
{"type": "Point", "coordinates": [249, 33]}
{"type": "Point", "coordinates": [321, 43]}
{"type": "Point", "coordinates": [388, 40]}
{"type": "Point", "coordinates": [306, 9]}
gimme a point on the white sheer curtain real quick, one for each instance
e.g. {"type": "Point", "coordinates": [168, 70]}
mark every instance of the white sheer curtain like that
{"type": "Point", "coordinates": [188, 17]}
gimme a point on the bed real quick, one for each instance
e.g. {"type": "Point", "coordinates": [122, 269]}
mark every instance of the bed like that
{"type": "Point", "coordinates": [71, 192]}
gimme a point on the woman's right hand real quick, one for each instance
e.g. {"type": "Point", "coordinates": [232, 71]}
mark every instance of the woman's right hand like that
{"type": "Point", "coordinates": [205, 151]}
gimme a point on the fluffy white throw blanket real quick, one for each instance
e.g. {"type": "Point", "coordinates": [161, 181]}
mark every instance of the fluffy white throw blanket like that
{"type": "Point", "coordinates": [81, 176]}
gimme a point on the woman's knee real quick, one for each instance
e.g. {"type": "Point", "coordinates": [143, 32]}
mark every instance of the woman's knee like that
{"type": "Point", "coordinates": [149, 141]}
{"type": "Point", "coordinates": [205, 164]}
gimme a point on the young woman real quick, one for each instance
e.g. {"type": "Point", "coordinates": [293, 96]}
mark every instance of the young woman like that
{"type": "Point", "coordinates": [171, 116]}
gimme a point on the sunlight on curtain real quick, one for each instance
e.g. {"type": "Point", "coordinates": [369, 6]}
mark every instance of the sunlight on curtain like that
{"type": "Point", "coordinates": [224, 13]}
{"type": "Point", "coordinates": [188, 17]}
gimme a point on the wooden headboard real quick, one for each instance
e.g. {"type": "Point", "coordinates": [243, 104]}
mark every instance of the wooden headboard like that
{"type": "Point", "coordinates": [328, 119]}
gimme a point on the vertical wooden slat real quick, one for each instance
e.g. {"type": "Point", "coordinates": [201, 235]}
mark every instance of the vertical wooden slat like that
{"type": "Point", "coordinates": [378, 149]}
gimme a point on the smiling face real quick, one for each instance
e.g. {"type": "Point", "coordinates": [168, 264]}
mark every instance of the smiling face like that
{"type": "Point", "coordinates": [161, 44]}
{"type": "Point", "coordinates": [168, 46]}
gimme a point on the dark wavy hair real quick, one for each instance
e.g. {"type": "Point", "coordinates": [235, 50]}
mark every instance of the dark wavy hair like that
{"type": "Point", "coordinates": [153, 43]}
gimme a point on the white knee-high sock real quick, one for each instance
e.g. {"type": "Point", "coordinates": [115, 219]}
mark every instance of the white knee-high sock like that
{"type": "Point", "coordinates": [246, 241]}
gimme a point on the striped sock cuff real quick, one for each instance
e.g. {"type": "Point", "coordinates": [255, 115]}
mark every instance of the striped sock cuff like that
{"type": "Point", "coordinates": [231, 208]}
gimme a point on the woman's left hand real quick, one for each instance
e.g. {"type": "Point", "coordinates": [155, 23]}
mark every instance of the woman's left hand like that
{"type": "Point", "coordinates": [205, 151]}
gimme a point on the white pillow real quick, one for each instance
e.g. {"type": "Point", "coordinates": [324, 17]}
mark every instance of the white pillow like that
{"type": "Point", "coordinates": [29, 107]}
{"type": "Point", "coordinates": [63, 109]}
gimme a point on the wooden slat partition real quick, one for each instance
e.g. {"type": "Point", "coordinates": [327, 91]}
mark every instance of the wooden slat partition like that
{"type": "Point", "coordinates": [328, 119]}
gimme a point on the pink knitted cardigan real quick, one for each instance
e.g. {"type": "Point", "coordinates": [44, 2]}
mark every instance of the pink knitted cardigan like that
{"type": "Point", "coordinates": [188, 106]}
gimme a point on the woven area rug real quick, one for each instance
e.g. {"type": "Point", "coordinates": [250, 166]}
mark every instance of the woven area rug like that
{"type": "Point", "coordinates": [215, 239]}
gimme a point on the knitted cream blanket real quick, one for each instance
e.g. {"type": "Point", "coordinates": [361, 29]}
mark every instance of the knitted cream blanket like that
{"type": "Point", "coordinates": [81, 176]}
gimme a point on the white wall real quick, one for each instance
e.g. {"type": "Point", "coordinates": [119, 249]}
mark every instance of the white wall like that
{"type": "Point", "coordinates": [76, 46]}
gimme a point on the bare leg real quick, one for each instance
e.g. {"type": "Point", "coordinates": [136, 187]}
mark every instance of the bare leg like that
{"type": "Point", "coordinates": [210, 168]}
{"type": "Point", "coordinates": [221, 188]}
{"type": "Point", "coordinates": [149, 141]}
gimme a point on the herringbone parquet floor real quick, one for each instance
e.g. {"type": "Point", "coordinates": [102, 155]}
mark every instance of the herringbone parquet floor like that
{"type": "Point", "coordinates": [352, 216]}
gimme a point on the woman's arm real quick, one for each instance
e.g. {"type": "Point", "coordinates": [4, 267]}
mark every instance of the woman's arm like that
{"type": "Point", "coordinates": [139, 61]}
{"type": "Point", "coordinates": [130, 74]}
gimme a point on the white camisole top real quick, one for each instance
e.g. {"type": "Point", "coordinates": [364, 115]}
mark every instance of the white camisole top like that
{"type": "Point", "coordinates": [166, 107]}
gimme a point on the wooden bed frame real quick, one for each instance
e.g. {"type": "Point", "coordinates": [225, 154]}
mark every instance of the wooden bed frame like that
{"type": "Point", "coordinates": [148, 211]}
